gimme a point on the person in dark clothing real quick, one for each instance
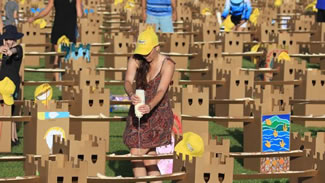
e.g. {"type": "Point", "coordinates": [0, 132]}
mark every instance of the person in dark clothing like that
{"type": "Point", "coordinates": [12, 55]}
{"type": "Point", "coordinates": [321, 11]}
{"type": "Point", "coordinates": [65, 20]}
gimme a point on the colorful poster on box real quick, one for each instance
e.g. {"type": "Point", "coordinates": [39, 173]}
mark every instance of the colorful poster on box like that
{"type": "Point", "coordinates": [275, 138]}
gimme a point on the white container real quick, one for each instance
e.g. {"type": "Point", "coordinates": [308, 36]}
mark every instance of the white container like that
{"type": "Point", "coordinates": [141, 95]}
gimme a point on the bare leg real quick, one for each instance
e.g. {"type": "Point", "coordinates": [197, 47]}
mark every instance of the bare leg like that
{"type": "Point", "coordinates": [139, 169]}
{"type": "Point", "coordinates": [151, 166]}
{"type": "Point", "coordinates": [14, 136]}
{"type": "Point", "coordinates": [56, 63]}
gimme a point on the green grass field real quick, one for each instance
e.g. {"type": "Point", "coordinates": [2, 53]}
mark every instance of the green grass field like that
{"type": "Point", "coordinates": [114, 168]}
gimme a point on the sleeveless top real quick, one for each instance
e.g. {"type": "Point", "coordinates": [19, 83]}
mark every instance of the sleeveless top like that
{"type": "Point", "coordinates": [155, 127]}
{"type": "Point", "coordinates": [159, 7]}
{"type": "Point", "coordinates": [65, 20]}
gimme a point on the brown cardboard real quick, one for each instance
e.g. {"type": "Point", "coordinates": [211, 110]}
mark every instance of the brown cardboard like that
{"type": "Point", "coordinates": [32, 33]}
{"type": "Point", "coordinates": [87, 77]}
{"type": "Point", "coordinates": [120, 43]}
{"type": "Point", "coordinates": [268, 100]}
{"type": "Point", "coordinates": [184, 13]}
{"type": "Point", "coordinates": [286, 72]}
{"type": "Point", "coordinates": [176, 43]}
{"type": "Point", "coordinates": [36, 140]}
{"type": "Point", "coordinates": [304, 23]}
{"type": "Point", "coordinates": [288, 41]}
{"type": "Point", "coordinates": [215, 164]}
{"type": "Point", "coordinates": [89, 31]}
{"type": "Point", "coordinates": [90, 149]}
{"type": "Point", "coordinates": [314, 147]}
{"type": "Point", "coordinates": [62, 169]}
{"type": "Point", "coordinates": [195, 102]}
{"type": "Point", "coordinates": [233, 42]}
{"type": "Point", "coordinates": [5, 128]}
{"type": "Point", "coordinates": [266, 32]}
{"type": "Point", "coordinates": [30, 165]}
{"type": "Point", "coordinates": [90, 102]}
{"type": "Point", "coordinates": [237, 84]}
{"type": "Point", "coordinates": [312, 88]}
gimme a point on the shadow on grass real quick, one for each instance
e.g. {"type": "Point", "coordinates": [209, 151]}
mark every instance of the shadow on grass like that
{"type": "Point", "coordinates": [238, 136]}
{"type": "Point", "coordinates": [123, 168]}
{"type": "Point", "coordinates": [315, 130]}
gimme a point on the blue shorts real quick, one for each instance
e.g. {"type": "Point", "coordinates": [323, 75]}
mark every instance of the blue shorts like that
{"type": "Point", "coordinates": [165, 23]}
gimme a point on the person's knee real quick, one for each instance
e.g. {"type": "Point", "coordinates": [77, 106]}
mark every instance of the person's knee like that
{"type": "Point", "coordinates": [150, 162]}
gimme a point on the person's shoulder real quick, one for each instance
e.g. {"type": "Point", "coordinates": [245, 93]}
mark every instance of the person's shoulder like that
{"type": "Point", "coordinates": [169, 64]}
{"type": "Point", "coordinates": [19, 50]}
{"type": "Point", "coordinates": [134, 61]}
{"type": "Point", "coordinates": [170, 61]}
{"type": "Point", "coordinates": [18, 46]}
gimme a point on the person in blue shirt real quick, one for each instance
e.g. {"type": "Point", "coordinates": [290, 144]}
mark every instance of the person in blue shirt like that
{"type": "Point", "coordinates": [240, 11]}
{"type": "Point", "coordinates": [161, 13]}
{"type": "Point", "coordinates": [321, 11]}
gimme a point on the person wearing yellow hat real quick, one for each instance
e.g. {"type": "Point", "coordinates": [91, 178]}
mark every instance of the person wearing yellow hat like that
{"type": "Point", "coordinates": [152, 72]}
{"type": "Point", "coordinates": [12, 55]}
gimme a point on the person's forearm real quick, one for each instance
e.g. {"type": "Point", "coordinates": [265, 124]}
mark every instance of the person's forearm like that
{"type": "Point", "coordinates": [128, 88]}
{"type": "Point", "coordinates": [79, 8]}
{"type": "Point", "coordinates": [40, 15]}
{"type": "Point", "coordinates": [156, 99]}
{"type": "Point", "coordinates": [174, 5]}
{"type": "Point", "coordinates": [45, 12]}
{"type": "Point", "coordinates": [144, 6]}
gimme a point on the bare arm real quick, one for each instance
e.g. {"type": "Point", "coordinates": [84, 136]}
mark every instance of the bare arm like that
{"type": "Point", "coordinates": [43, 13]}
{"type": "Point", "coordinates": [144, 10]}
{"type": "Point", "coordinates": [144, 6]}
{"type": "Point", "coordinates": [129, 77]}
{"type": "Point", "coordinates": [174, 7]}
{"type": "Point", "coordinates": [79, 9]}
{"type": "Point", "coordinates": [129, 80]}
{"type": "Point", "coordinates": [167, 73]}
{"type": "Point", "coordinates": [15, 15]}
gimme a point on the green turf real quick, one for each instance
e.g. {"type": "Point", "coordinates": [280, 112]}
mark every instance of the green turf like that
{"type": "Point", "coordinates": [114, 168]}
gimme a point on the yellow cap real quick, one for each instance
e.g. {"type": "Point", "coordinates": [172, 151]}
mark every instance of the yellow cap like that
{"type": "Point", "coordinates": [7, 89]}
{"type": "Point", "coordinates": [147, 40]}
{"type": "Point", "coordinates": [191, 144]}
{"type": "Point", "coordinates": [43, 93]}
